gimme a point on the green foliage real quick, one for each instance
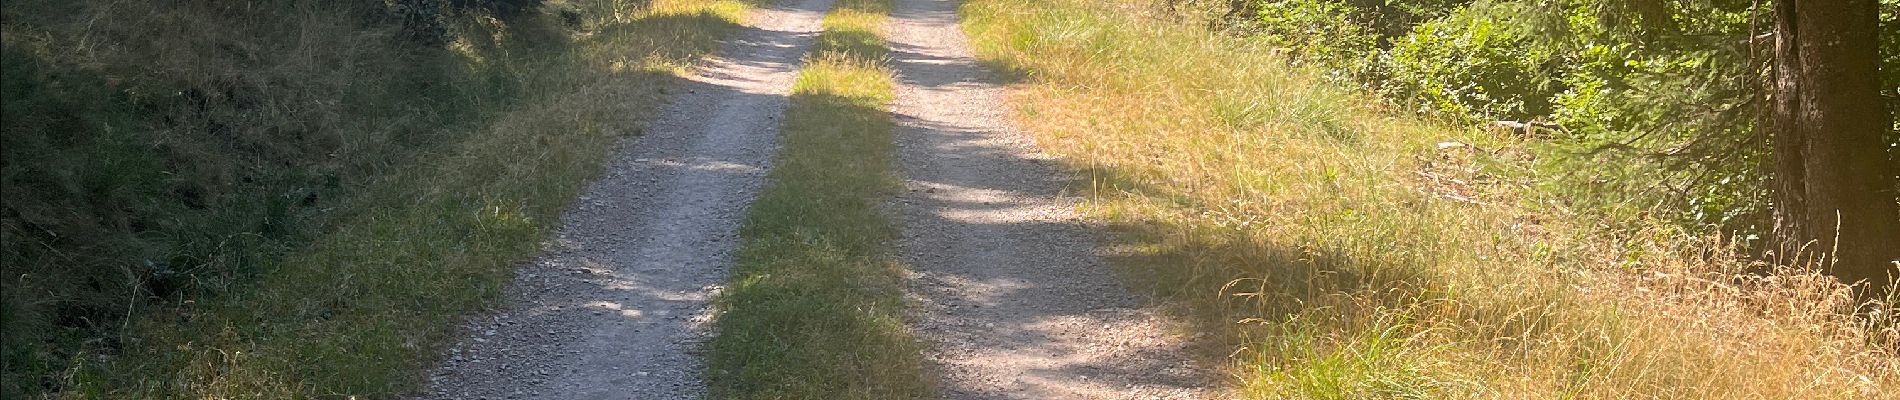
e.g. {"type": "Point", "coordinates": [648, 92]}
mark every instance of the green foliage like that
{"type": "Point", "coordinates": [1659, 113]}
{"type": "Point", "coordinates": [1678, 128]}
{"type": "Point", "coordinates": [1472, 64]}
{"type": "Point", "coordinates": [1321, 31]}
{"type": "Point", "coordinates": [1390, 18]}
{"type": "Point", "coordinates": [1655, 102]}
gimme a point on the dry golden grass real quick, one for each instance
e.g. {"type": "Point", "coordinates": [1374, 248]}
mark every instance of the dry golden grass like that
{"type": "Point", "coordinates": [1349, 251]}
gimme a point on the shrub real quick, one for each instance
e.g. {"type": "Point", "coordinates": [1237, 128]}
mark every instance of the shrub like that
{"type": "Point", "coordinates": [1474, 66]}
{"type": "Point", "coordinates": [1318, 31]}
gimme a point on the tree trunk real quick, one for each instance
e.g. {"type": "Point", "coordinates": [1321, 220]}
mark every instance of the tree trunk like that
{"type": "Point", "coordinates": [1834, 185]}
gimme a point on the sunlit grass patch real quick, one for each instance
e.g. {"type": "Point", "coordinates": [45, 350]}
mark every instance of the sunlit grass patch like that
{"type": "Point", "coordinates": [851, 31]}
{"type": "Point", "coordinates": [815, 310]}
{"type": "Point", "coordinates": [1345, 250]}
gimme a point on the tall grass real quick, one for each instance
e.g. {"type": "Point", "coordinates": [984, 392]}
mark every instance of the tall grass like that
{"type": "Point", "coordinates": [1347, 251]}
{"type": "Point", "coordinates": [815, 310]}
{"type": "Point", "coordinates": [436, 186]}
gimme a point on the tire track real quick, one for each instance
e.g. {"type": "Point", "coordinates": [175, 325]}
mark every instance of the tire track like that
{"type": "Point", "coordinates": [1010, 286]}
{"type": "Point", "coordinates": [618, 305]}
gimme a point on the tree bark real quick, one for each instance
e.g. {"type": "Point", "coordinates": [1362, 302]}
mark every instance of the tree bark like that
{"type": "Point", "coordinates": [1834, 182]}
{"type": "Point", "coordinates": [1789, 169]}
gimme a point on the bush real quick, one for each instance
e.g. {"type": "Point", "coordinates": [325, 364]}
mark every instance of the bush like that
{"type": "Point", "coordinates": [1474, 66]}
{"type": "Point", "coordinates": [1318, 31]}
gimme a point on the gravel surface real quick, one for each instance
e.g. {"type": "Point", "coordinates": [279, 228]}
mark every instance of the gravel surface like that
{"type": "Point", "coordinates": [1009, 286]}
{"type": "Point", "coordinates": [617, 307]}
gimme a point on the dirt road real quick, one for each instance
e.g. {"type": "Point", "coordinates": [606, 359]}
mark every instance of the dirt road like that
{"type": "Point", "coordinates": [1009, 288]}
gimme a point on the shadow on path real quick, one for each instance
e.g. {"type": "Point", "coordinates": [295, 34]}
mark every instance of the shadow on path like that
{"type": "Point", "coordinates": [1010, 284]}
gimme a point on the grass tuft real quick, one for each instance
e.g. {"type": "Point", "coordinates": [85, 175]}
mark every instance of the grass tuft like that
{"type": "Point", "coordinates": [1345, 250]}
{"type": "Point", "coordinates": [815, 308]}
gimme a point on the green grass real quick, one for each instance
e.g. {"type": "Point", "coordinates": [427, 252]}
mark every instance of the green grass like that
{"type": "Point", "coordinates": [435, 188]}
{"type": "Point", "coordinates": [1345, 250]}
{"type": "Point", "coordinates": [815, 307]}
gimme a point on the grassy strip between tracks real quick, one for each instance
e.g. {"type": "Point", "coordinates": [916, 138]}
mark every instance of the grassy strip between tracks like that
{"type": "Point", "coordinates": [815, 307]}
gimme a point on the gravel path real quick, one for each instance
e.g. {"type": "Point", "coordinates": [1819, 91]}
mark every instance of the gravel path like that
{"type": "Point", "coordinates": [616, 308]}
{"type": "Point", "coordinates": [1008, 285]}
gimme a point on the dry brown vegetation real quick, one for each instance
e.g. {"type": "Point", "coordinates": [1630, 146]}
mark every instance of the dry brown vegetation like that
{"type": "Point", "coordinates": [1346, 250]}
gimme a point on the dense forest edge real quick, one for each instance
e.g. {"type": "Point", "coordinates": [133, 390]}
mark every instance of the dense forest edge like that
{"type": "Point", "coordinates": [295, 199]}
{"type": "Point", "coordinates": [1453, 199]}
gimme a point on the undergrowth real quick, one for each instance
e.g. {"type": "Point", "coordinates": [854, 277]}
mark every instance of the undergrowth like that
{"type": "Point", "coordinates": [1348, 250]}
{"type": "Point", "coordinates": [295, 199]}
{"type": "Point", "coordinates": [815, 308]}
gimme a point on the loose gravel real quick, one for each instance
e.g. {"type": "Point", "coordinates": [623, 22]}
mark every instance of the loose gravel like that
{"type": "Point", "coordinates": [1008, 282]}
{"type": "Point", "coordinates": [617, 307]}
